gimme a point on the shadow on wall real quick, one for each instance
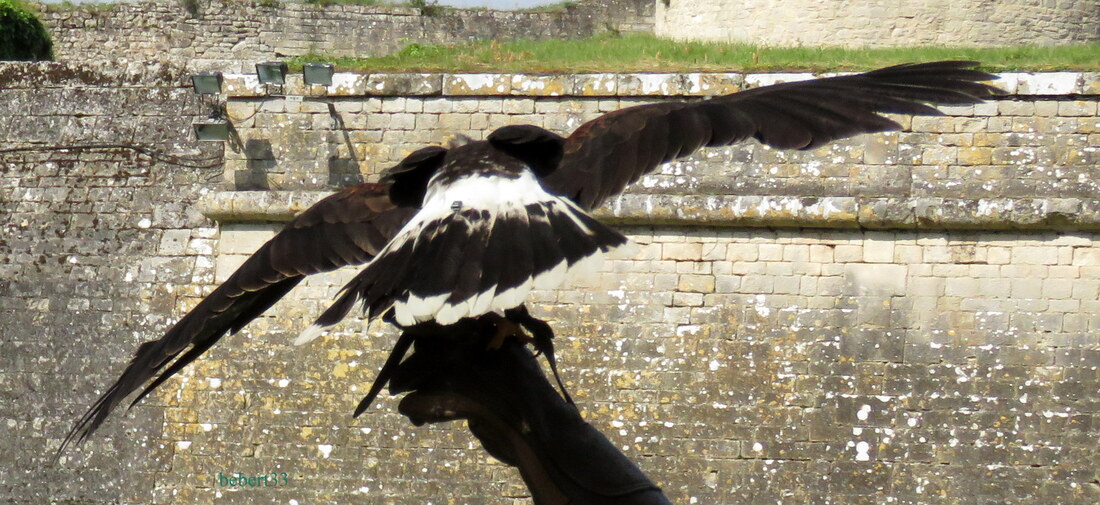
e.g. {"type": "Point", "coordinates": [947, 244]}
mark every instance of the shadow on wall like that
{"type": "Point", "coordinates": [342, 171]}
{"type": "Point", "coordinates": [342, 168]}
{"type": "Point", "coordinates": [261, 160]}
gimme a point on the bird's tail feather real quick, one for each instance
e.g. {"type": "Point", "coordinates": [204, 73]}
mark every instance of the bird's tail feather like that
{"type": "Point", "coordinates": [334, 314]}
{"type": "Point", "coordinates": [474, 261]}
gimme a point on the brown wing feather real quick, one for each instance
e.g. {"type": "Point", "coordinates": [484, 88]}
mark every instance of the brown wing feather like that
{"type": "Point", "coordinates": [602, 157]}
{"type": "Point", "coordinates": [346, 228]}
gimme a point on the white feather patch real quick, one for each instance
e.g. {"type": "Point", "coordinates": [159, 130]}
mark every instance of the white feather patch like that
{"type": "Point", "coordinates": [512, 297]}
{"type": "Point", "coordinates": [504, 198]}
{"type": "Point", "coordinates": [627, 250]}
{"type": "Point", "coordinates": [309, 334]}
{"type": "Point", "coordinates": [450, 314]}
{"type": "Point", "coordinates": [481, 303]}
{"type": "Point", "coordinates": [552, 278]}
{"type": "Point", "coordinates": [425, 307]}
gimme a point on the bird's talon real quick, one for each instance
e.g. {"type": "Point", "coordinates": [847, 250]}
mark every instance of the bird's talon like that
{"type": "Point", "coordinates": [506, 328]}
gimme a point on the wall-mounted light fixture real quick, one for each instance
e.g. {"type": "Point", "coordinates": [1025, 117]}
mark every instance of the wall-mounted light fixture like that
{"type": "Point", "coordinates": [271, 72]}
{"type": "Point", "coordinates": [318, 73]}
{"type": "Point", "coordinates": [211, 130]}
{"type": "Point", "coordinates": [207, 83]}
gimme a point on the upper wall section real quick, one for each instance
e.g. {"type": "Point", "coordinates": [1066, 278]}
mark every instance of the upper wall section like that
{"type": "Point", "coordinates": [53, 105]}
{"type": "Point", "coordinates": [233, 35]}
{"type": "Point", "coordinates": [1024, 161]}
{"type": "Point", "coordinates": [906, 23]}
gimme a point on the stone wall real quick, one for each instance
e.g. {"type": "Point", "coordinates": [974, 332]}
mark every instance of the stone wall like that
{"type": "Point", "coordinates": [908, 23]}
{"type": "Point", "coordinates": [98, 238]}
{"type": "Point", "coordinates": [902, 318]}
{"type": "Point", "coordinates": [1029, 161]}
{"type": "Point", "coordinates": [231, 35]}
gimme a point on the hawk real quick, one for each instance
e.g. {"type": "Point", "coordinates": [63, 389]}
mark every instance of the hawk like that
{"type": "Point", "coordinates": [469, 231]}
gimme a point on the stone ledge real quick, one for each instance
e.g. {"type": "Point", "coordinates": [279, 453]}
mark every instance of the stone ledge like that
{"type": "Point", "coordinates": [349, 84]}
{"type": "Point", "coordinates": [352, 84]}
{"type": "Point", "coordinates": [750, 211]}
{"type": "Point", "coordinates": [117, 73]}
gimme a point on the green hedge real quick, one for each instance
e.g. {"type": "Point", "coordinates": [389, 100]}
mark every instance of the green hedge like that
{"type": "Point", "coordinates": [22, 35]}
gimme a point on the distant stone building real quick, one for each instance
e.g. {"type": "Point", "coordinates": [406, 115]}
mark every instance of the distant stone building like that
{"type": "Point", "coordinates": [880, 23]}
{"type": "Point", "coordinates": [231, 35]}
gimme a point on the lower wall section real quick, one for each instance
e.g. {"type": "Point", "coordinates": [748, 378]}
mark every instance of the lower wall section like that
{"type": "Point", "coordinates": [735, 366]}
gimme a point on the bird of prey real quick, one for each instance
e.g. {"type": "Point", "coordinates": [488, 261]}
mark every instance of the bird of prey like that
{"type": "Point", "coordinates": [467, 232]}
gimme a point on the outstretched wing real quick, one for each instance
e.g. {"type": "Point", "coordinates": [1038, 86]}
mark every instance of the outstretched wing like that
{"type": "Point", "coordinates": [607, 154]}
{"type": "Point", "coordinates": [346, 228]}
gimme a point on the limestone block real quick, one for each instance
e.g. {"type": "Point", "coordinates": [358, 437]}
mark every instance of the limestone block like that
{"type": "Point", "coordinates": [876, 279]}
{"type": "Point", "coordinates": [712, 84]}
{"type": "Point", "coordinates": [404, 84]}
{"type": "Point", "coordinates": [476, 84]}
{"type": "Point", "coordinates": [1078, 108]}
{"type": "Point", "coordinates": [542, 85]}
{"type": "Point", "coordinates": [595, 84]}
{"type": "Point", "coordinates": [650, 84]}
{"type": "Point", "coordinates": [1046, 83]}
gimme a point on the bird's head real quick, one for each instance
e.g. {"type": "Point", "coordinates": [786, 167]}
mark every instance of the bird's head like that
{"type": "Point", "coordinates": [538, 148]}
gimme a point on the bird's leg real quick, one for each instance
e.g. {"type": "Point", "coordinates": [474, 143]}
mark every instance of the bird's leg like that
{"type": "Point", "coordinates": [505, 328]}
{"type": "Point", "coordinates": [542, 337]}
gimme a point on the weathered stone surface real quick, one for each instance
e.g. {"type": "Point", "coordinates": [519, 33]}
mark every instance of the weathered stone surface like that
{"type": "Point", "coordinates": [867, 23]}
{"type": "Point", "coordinates": [404, 84]}
{"type": "Point", "coordinates": [543, 85]}
{"type": "Point", "coordinates": [231, 36]}
{"type": "Point", "coordinates": [650, 84]}
{"type": "Point", "coordinates": [97, 245]}
{"type": "Point", "coordinates": [477, 84]}
{"type": "Point", "coordinates": [596, 84]}
{"type": "Point", "coordinates": [765, 345]}
{"type": "Point", "coordinates": [713, 84]}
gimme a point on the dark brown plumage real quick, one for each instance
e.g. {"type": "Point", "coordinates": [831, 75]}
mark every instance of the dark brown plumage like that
{"type": "Point", "coordinates": [600, 159]}
{"type": "Point", "coordinates": [605, 155]}
{"type": "Point", "coordinates": [346, 228]}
